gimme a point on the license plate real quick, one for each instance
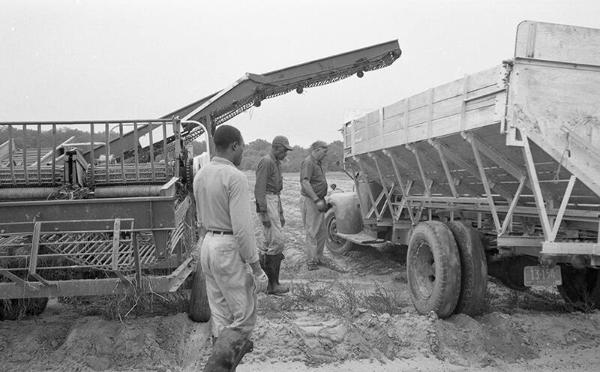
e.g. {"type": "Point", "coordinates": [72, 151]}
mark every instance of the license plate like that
{"type": "Point", "coordinates": [542, 276]}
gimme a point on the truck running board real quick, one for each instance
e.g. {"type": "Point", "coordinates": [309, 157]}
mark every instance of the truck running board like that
{"type": "Point", "coordinates": [363, 238]}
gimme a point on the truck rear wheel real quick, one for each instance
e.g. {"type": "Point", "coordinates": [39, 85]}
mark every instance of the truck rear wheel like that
{"type": "Point", "coordinates": [199, 310]}
{"type": "Point", "coordinates": [433, 269]}
{"type": "Point", "coordinates": [473, 269]}
{"type": "Point", "coordinates": [580, 288]}
{"type": "Point", "coordinates": [334, 243]}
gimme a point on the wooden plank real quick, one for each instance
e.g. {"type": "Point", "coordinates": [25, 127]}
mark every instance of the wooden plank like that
{"type": "Point", "coordinates": [395, 109]}
{"type": "Point", "coordinates": [371, 118]}
{"type": "Point", "coordinates": [419, 100]}
{"type": "Point", "coordinates": [395, 134]}
{"type": "Point", "coordinates": [554, 42]}
{"type": "Point", "coordinates": [543, 100]}
{"type": "Point", "coordinates": [392, 124]}
{"type": "Point", "coordinates": [444, 113]}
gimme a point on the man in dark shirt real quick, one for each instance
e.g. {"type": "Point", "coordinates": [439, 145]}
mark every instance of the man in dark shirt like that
{"type": "Point", "coordinates": [267, 189]}
{"type": "Point", "coordinates": [313, 206]}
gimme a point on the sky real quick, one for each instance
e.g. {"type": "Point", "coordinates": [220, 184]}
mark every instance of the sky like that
{"type": "Point", "coordinates": [99, 60]}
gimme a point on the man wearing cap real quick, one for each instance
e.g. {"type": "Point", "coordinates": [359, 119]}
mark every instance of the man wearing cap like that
{"type": "Point", "coordinates": [313, 206]}
{"type": "Point", "coordinates": [267, 189]}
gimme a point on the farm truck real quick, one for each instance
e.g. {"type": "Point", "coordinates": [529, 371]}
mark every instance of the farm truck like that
{"type": "Point", "coordinates": [496, 172]}
{"type": "Point", "coordinates": [112, 211]}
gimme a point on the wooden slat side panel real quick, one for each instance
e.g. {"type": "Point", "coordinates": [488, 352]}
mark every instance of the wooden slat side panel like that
{"type": "Point", "coordinates": [557, 108]}
{"type": "Point", "coordinates": [401, 126]}
{"type": "Point", "coordinates": [395, 134]}
{"type": "Point", "coordinates": [561, 43]}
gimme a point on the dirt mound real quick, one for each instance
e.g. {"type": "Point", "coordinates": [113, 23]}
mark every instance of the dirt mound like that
{"type": "Point", "coordinates": [32, 341]}
{"type": "Point", "coordinates": [316, 339]}
{"type": "Point", "coordinates": [92, 343]}
{"type": "Point", "coordinates": [469, 342]}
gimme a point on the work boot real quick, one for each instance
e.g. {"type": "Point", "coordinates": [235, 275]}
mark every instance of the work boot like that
{"type": "Point", "coordinates": [263, 259]}
{"type": "Point", "coordinates": [276, 288]}
{"type": "Point", "coordinates": [228, 351]}
{"type": "Point", "coordinates": [267, 266]}
{"type": "Point", "coordinates": [273, 263]}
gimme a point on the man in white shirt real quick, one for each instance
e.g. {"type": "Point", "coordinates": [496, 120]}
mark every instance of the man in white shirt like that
{"type": "Point", "coordinates": [229, 257]}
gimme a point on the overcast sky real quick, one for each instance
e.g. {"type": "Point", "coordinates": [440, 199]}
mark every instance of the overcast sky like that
{"type": "Point", "coordinates": [77, 60]}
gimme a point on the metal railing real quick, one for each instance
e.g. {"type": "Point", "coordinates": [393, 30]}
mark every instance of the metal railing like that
{"type": "Point", "coordinates": [123, 151]}
{"type": "Point", "coordinates": [55, 246]}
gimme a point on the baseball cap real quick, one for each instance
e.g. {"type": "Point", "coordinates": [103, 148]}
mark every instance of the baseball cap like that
{"type": "Point", "coordinates": [283, 141]}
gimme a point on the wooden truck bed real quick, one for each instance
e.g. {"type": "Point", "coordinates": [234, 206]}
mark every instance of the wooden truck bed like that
{"type": "Point", "coordinates": [518, 145]}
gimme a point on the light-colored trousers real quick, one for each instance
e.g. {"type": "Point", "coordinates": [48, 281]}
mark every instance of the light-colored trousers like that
{"type": "Point", "coordinates": [314, 225]}
{"type": "Point", "coordinates": [229, 285]}
{"type": "Point", "coordinates": [274, 240]}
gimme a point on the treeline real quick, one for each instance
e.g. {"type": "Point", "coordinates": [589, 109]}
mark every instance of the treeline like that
{"type": "Point", "coordinates": [259, 148]}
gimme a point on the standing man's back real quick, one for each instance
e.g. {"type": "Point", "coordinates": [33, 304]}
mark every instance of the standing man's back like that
{"type": "Point", "coordinates": [228, 255]}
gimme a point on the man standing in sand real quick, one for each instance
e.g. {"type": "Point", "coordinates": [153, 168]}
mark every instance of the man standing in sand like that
{"type": "Point", "coordinates": [267, 189]}
{"type": "Point", "coordinates": [229, 255]}
{"type": "Point", "coordinates": [313, 206]}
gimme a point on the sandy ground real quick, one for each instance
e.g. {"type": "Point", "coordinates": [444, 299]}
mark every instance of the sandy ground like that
{"type": "Point", "coordinates": [362, 320]}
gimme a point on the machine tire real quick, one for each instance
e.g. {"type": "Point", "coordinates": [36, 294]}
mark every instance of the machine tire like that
{"type": "Point", "coordinates": [36, 306]}
{"type": "Point", "coordinates": [580, 288]}
{"type": "Point", "coordinates": [433, 269]}
{"type": "Point", "coordinates": [335, 244]}
{"type": "Point", "coordinates": [199, 310]}
{"type": "Point", "coordinates": [473, 266]}
{"type": "Point", "coordinates": [17, 308]}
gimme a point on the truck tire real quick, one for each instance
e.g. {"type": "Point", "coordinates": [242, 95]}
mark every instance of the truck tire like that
{"type": "Point", "coordinates": [199, 310]}
{"type": "Point", "coordinates": [334, 243]}
{"type": "Point", "coordinates": [473, 265]}
{"type": "Point", "coordinates": [433, 269]}
{"type": "Point", "coordinates": [580, 288]}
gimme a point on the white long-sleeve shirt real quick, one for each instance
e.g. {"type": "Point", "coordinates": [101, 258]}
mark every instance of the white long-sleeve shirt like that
{"type": "Point", "coordinates": [223, 204]}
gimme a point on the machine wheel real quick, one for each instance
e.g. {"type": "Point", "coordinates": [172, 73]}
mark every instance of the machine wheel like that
{"type": "Point", "coordinates": [334, 243]}
{"type": "Point", "coordinates": [433, 269]}
{"type": "Point", "coordinates": [580, 288]}
{"type": "Point", "coordinates": [36, 306]}
{"type": "Point", "coordinates": [17, 308]}
{"type": "Point", "coordinates": [473, 269]}
{"type": "Point", "coordinates": [199, 310]}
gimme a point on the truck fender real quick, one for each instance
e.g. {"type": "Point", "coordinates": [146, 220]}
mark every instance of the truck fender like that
{"type": "Point", "coordinates": [346, 206]}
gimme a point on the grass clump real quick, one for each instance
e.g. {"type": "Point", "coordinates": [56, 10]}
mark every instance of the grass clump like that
{"type": "Point", "coordinates": [383, 300]}
{"type": "Point", "coordinates": [134, 301]}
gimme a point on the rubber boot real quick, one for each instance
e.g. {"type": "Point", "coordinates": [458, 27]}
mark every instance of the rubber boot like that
{"type": "Point", "coordinates": [275, 263]}
{"type": "Point", "coordinates": [265, 264]}
{"type": "Point", "coordinates": [228, 351]}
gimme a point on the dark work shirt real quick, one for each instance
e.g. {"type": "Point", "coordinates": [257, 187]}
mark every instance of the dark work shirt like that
{"type": "Point", "coordinates": [312, 171]}
{"type": "Point", "coordinates": [268, 180]}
